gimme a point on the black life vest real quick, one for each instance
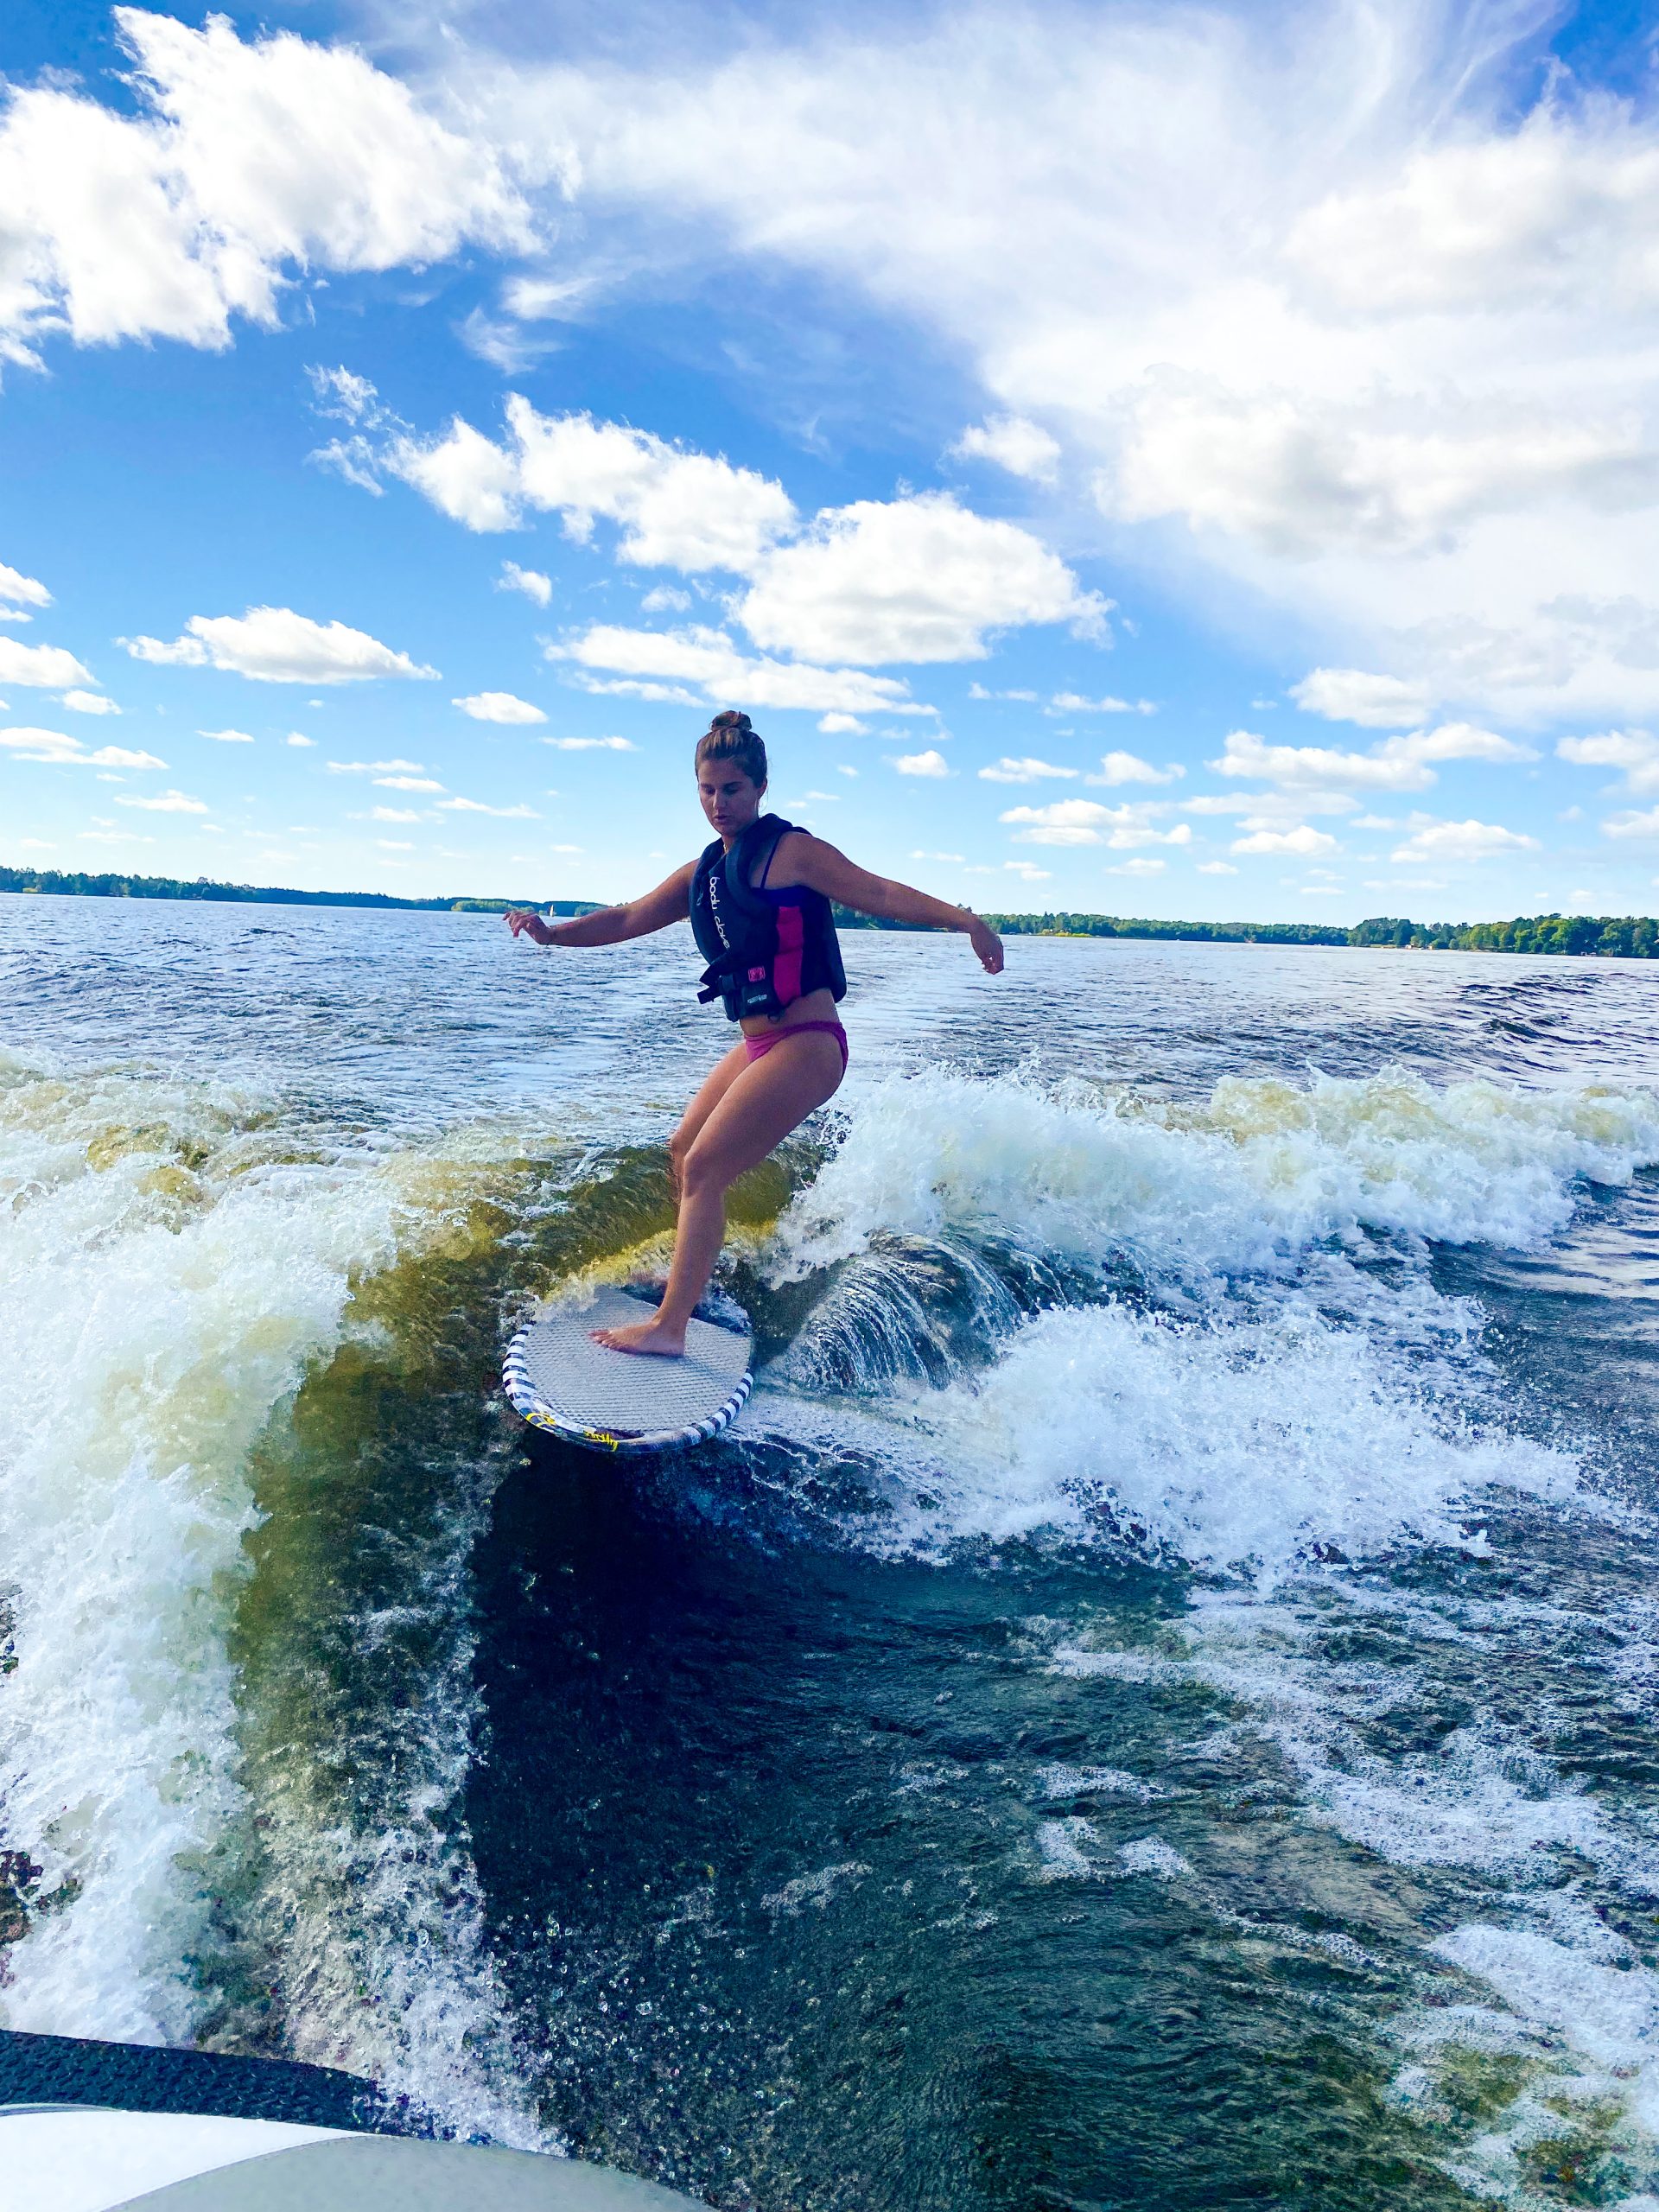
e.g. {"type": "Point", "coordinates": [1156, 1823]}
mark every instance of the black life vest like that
{"type": "Point", "coordinates": [765, 948]}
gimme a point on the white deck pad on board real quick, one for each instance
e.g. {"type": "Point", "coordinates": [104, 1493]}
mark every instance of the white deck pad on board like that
{"type": "Point", "coordinates": [560, 1380]}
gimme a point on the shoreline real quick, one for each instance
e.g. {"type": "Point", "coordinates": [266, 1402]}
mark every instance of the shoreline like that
{"type": "Point", "coordinates": [1627, 936]}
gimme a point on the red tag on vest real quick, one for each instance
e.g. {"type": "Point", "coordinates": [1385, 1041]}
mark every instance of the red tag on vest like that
{"type": "Point", "coordinates": [757, 974]}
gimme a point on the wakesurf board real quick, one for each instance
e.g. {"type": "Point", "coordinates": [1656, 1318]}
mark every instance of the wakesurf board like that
{"type": "Point", "coordinates": [561, 1381]}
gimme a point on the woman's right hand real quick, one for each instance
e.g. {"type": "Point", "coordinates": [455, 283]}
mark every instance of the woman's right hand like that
{"type": "Point", "coordinates": [523, 923]}
{"type": "Point", "coordinates": [987, 943]}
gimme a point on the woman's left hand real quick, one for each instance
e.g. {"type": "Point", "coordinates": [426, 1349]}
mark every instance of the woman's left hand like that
{"type": "Point", "coordinates": [523, 923]}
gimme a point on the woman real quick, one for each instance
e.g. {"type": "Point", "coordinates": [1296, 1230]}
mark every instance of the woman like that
{"type": "Point", "coordinates": [758, 900]}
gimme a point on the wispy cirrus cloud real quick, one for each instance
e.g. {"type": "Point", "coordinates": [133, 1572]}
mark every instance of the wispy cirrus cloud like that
{"type": "Point", "coordinates": [1380, 357]}
{"type": "Point", "coordinates": [722, 671]}
{"type": "Point", "coordinates": [59, 749]}
{"type": "Point", "coordinates": [1027, 770]}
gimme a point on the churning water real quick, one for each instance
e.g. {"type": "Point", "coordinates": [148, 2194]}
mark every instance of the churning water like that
{"type": "Point", "coordinates": [1156, 1705]}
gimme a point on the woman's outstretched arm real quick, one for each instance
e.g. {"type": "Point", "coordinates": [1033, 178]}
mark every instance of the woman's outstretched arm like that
{"type": "Point", "coordinates": [657, 910]}
{"type": "Point", "coordinates": [806, 859]}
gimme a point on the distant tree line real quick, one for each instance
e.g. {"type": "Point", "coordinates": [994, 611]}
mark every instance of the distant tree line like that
{"type": "Point", "coordinates": [1627, 936]}
{"type": "Point", "coordinates": [1183, 932]}
{"type": "Point", "coordinates": [1630, 937]}
{"type": "Point", "coordinates": [78, 883]}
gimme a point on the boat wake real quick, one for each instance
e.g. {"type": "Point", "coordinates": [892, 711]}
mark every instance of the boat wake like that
{"type": "Point", "coordinates": [250, 1445]}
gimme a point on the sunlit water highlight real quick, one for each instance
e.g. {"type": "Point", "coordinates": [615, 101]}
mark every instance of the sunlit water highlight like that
{"type": "Point", "coordinates": [1154, 1705]}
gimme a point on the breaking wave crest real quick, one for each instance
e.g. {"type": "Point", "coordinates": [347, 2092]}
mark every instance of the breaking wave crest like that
{"type": "Point", "coordinates": [1219, 1336]}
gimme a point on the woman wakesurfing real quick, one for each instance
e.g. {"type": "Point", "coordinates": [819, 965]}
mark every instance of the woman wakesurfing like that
{"type": "Point", "coordinates": [758, 900]}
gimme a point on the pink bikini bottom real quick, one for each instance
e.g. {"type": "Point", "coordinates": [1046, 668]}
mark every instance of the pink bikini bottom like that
{"type": "Point", "coordinates": [758, 1047]}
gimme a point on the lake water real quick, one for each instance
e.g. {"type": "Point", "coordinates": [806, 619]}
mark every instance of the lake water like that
{"type": "Point", "coordinates": [1156, 1705]}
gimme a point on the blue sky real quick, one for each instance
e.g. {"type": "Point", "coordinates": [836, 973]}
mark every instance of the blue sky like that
{"type": "Point", "coordinates": [1164, 462]}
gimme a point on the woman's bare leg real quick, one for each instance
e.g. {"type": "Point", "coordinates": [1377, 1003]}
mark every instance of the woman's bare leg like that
{"type": "Point", "coordinates": [713, 1088]}
{"type": "Point", "coordinates": [765, 1101]}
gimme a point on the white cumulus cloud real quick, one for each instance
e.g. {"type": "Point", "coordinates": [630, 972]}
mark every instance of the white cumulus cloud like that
{"type": "Point", "coordinates": [1384, 476]}
{"type": "Point", "coordinates": [1129, 768]}
{"type": "Point", "coordinates": [533, 584]}
{"type": "Point", "coordinates": [1023, 448]}
{"type": "Point", "coordinates": [1634, 751]}
{"type": "Point", "coordinates": [1303, 840]}
{"type": "Point", "coordinates": [18, 590]}
{"type": "Point", "coordinates": [1349, 695]}
{"type": "Point", "coordinates": [1395, 763]}
{"type": "Point", "coordinates": [1245, 754]}
{"type": "Point", "coordinates": [46, 668]}
{"type": "Point", "coordinates": [1555, 210]}
{"type": "Point", "coordinates": [1007, 771]}
{"type": "Point", "coordinates": [273, 645]}
{"type": "Point", "coordinates": [464, 475]}
{"type": "Point", "coordinates": [919, 579]}
{"type": "Point", "coordinates": [930, 763]}
{"type": "Point", "coordinates": [1075, 702]}
{"type": "Point", "coordinates": [227, 736]}
{"type": "Point", "coordinates": [675, 507]}
{"type": "Point", "coordinates": [1460, 841]}
{"type": "Point", "coordinates": [591, 744]}
{"type": "Point", "coordinates": [1453, 742]}
{"type": "Point", "coordinates": [498, 706]}
{"type": "Point", "coordinates": [1086, 821]}
{"type": "Point", "coordinates": [88, 702]}
{"type": "Point", "coordinates": [239, 165]}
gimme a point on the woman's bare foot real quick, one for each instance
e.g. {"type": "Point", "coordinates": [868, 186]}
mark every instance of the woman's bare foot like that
{"type": "Point", "coordinates": [644, 1336]}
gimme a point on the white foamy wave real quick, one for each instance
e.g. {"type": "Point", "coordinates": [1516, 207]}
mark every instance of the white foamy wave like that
{"type": "Point", "coordinates": [1262, 1431]}
{"type": "Point", "coordinates": [397, 1912]}
{"type": "Point", "coordinates": [1587, 2018]}
{"type": "Point", "coordinates": [171, 1264]}
{"type": "Point", "coordinates": [156, 1304]}
{"type": "Point", "coordinates": [1575, 2009]}
{"type": "Point", "coordinates": [1252, 1444]}
{"type": "Point", "coordinates": [1605, 2010]}
{"type": "Point", "coordinates": [1248, 1179]}
{"type": "Point", "coordinates": [1483, 1799]}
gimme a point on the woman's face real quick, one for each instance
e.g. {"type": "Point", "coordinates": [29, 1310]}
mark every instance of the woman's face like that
{"type": "Point", "coordinates": [731, 799]}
